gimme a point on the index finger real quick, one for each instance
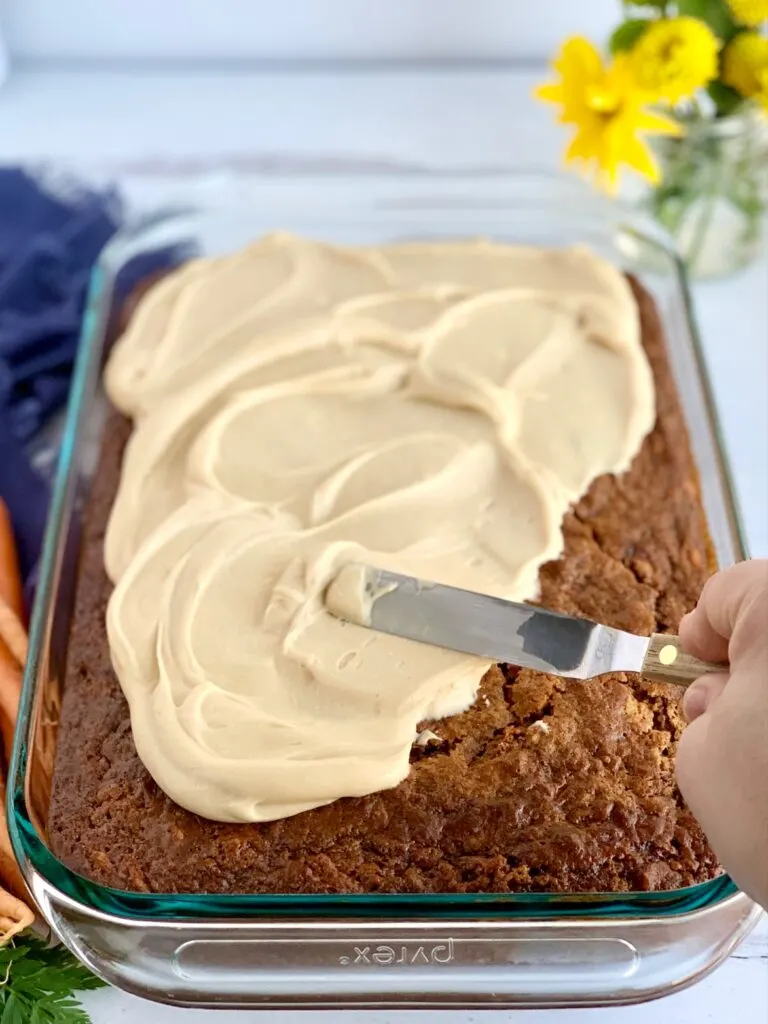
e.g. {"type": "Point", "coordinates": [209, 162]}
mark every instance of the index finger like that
{"type": "Point", "coordinates": [730, 614]}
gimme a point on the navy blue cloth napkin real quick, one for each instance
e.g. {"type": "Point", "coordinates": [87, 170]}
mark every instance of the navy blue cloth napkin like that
{"type": "Point", "coordinates": [51, 234]}
{"type": "Point", "coordinates": [48, 246]}
{"type": "Point", "coordinates": [49, 241]}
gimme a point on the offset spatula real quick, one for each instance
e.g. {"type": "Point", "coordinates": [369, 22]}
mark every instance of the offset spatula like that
{"type": "Point", "coordinates": [502, 631]}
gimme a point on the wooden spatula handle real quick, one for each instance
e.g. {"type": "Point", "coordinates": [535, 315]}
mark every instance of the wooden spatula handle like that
{"type": "Point", "coordinates": [667, 662]}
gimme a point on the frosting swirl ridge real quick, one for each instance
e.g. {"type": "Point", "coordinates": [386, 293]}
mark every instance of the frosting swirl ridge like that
{"type": "Point", "coordinates": [428, 408]}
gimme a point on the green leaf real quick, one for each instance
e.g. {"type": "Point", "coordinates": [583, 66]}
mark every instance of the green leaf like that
{"type": "Point", "coordinates": [658, 4]}
{"type": "Point", "coordinates": [726, 100]}
{"type": "Point", "coordinates": [12, 1011]}
{"type": "Point", "coordinates": [40, 984]}
{"type": "Point", "coordinates": [627, 34]}
{"type": "Point", "coordinates": [714, 13]}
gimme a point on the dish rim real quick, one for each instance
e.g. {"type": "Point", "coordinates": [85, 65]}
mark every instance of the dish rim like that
{"type": "Point", "coordinates": [36, 860]}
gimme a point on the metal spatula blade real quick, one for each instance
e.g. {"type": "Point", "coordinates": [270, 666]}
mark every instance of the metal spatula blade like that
{"type": "Point", "coordinates": [503, 631]}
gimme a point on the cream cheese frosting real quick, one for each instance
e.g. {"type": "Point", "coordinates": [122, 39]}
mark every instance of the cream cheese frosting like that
{"type": "Point", "coordinates": [428, 408]}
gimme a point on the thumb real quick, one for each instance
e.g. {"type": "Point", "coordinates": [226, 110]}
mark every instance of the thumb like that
{"type": "Point", "coordinates": [702, 694]}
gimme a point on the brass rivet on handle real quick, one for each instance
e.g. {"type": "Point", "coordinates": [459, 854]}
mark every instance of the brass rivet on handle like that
{"type": "Point", "coordinates": [668, 654]}
{"type": "Point", "coordinates": [667, 662]}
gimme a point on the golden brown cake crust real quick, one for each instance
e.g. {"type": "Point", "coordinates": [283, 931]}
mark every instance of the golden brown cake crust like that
{"type": "Point", "coordinates": [543, 785]}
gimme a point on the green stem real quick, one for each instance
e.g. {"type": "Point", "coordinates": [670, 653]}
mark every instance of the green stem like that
{"type": "Point", "coordinates": [750, 169]}
{"type": "Point", "coordinates": [705, 220]}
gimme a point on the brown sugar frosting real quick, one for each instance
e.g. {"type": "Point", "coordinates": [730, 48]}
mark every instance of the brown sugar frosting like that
{"type": "Point", "coordinates": [434, 409]}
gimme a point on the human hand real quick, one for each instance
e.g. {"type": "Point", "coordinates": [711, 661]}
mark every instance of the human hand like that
{"type": "Point", "coordinates": [722, 756]}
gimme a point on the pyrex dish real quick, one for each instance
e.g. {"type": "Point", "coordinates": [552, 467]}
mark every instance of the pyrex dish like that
{"type": "Point", "coordinates": [365, 950]}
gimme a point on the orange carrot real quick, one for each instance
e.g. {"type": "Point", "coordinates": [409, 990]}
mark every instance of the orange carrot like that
{"type": "Point", "coordinates": [13, 640]}
{"type": "Point", "coordinates": [10, 689]}
{"type": "Point", "coordinates": [11, 588]}
{"type": "Point", "coordinates": [10, 875]}
{"type": "Point", "coordinates": [15, 916]}
{"type": "Point", "coordinates": [12, 633]}
{"type": "Point", "coordinates": [10, 693]}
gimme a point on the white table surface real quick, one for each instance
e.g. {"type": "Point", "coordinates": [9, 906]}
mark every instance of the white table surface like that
{"type": "Point", "coordinates": [161, 134]}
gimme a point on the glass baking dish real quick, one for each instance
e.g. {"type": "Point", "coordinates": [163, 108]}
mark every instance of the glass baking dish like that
{"type": "Point", "coordinates": [508, 950]}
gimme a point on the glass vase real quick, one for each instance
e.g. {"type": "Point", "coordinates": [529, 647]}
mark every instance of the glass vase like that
{"type": "Point", "coordinates": [714, 191]}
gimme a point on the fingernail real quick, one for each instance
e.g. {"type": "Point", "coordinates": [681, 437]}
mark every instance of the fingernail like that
{"type": "Point", "coordinates": [695, 701]}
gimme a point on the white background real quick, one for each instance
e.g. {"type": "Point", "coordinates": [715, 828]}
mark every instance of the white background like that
{"type": "Point", "coordinates": [290, 29]}
{"type": "Point", "coordinates": [162, 131]}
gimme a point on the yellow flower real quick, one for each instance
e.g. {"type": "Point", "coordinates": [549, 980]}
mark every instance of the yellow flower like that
{"type": "Point", "coordinates": [745, 66]}
{"type": "Point", "coordinates": [749, 12]}
{"type": "Point", "coordinates": [607, 109]}
{"type": "Point", "coordinates": [674, 58]}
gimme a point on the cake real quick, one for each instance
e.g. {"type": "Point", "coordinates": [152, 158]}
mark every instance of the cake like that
{"type": "Point", "coordinates": [540, 785]}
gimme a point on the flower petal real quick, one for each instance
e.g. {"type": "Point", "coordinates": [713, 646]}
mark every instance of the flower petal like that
{"type": "Point", "coordinates": [639, 157]}
{"type": "Point", "coordinates": [581, 147]}
{"type": "Point", "coordinates": [580, 58]}
{"type": "Point", "coordinates": [550, 92]}
{"type": "Point", "coordinates": [658, 124]}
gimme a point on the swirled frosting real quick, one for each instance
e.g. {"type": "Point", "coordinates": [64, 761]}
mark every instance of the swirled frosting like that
{"type": "Point", "coordinates": [429, 408]}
